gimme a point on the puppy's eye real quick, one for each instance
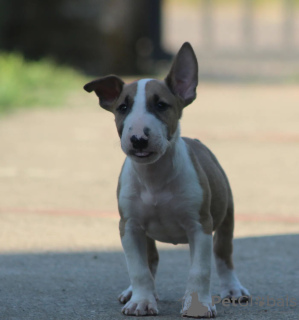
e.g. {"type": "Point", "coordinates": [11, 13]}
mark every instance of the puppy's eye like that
{"type": "Point", "coordinates": [161, 106]}
{"type": "Point", "coordinates": [122, 108]}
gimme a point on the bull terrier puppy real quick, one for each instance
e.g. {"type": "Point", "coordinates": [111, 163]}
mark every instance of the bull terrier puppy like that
{"type": "Point", "coordinates": [171, 189]}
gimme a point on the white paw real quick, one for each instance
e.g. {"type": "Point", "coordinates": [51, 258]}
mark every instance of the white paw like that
{"type": "Point", "coordinates": [235, 292]}
{"type": "Point", "coordinates": [141, 306]}
{"type": "Point", "coordinates": [195, 307]}
{"type": "Point", "coordinates": [231, 287]}
{"type": "Point", "coordinates": [126, 295]}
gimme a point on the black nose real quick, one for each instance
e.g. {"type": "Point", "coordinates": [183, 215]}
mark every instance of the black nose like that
{"type": "Point", "coordinates": [139, 143]}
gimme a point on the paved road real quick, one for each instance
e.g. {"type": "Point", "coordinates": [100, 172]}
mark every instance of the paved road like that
{"type": "Point", "coordinates": [85, 285]}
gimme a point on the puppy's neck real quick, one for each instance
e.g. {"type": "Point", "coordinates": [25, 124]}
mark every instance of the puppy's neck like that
{"type": "Point", "coordinates": [166, 168]}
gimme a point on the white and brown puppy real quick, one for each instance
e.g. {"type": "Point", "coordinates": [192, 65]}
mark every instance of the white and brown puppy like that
{"type": "Point", "coordinates": [170, 189]}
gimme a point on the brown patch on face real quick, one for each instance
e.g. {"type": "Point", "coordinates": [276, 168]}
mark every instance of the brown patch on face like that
{"type": "Point", "coordinates": [123, 106]}
{"type": "Point", "coordinates": [164, 105]}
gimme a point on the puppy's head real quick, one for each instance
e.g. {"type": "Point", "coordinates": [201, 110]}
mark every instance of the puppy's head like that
{"type": "Point", "coordinates": [147, 111]}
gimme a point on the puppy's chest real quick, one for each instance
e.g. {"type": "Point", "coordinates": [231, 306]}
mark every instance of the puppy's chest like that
{"type": "Point", "coordinates": [156, 200]}
{"type": "Point", "coordinates": [163, 203]}
{"type": "Point", "coordinates": [168, 203]}
{"type": "Point", "coordinates": [162, 213]}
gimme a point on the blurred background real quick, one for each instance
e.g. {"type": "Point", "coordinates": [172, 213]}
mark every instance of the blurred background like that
{"type": "Point", "coordinates": [59, 151]}
{"type": "Point", "coordinates": [248, 39]}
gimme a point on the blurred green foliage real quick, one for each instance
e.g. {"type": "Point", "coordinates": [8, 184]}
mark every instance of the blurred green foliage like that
{"type": "Point", "coordinates": [25, 84]}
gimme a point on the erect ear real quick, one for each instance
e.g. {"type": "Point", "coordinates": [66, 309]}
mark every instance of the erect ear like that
{"type": "Point", "coordinates": [107, 89]}
{"type": "Point", "coordinates": [183, 76]}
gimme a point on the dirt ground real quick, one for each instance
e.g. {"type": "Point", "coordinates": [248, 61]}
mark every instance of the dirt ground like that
{"type": "Point", "coordinates": [59, 168]}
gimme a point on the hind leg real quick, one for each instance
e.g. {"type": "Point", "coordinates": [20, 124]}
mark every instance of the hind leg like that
{"type": "Point", "coordinates": [223, 249]}
{"type": "Point", "coordinates": [153, 259]}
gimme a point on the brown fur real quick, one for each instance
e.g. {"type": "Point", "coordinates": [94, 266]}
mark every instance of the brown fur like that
{"type": "Point", "coordinates": [122, 222]}
{"type": "Point", "coordinates": [221, 200]}
{"type": "Point", "coordinates": [152, 255]}
{"type": "Point", "coordinates": [127, 97]}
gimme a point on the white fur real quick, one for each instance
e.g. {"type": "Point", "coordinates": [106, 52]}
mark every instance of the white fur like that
{"type": "Point", "coordinates": [126, 295]}
{"type": "Point", "coordinates": [138, 117]}
{"type": "Point", "coordinates": [164, 197]}
{"type": "Point", "coordinates": [230, 284]}
{"type": "Point", "coordinates": [137, 120]}
{"type": "Point", "coordinates": [200, 271]}
{"type": "Point", "coordinates": [143, 298]}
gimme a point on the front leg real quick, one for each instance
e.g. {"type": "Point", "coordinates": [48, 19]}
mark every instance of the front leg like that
{"type": "Point", "coordinates": [153, 259]}
{"type": "Point", "coordinates": [143, 301]}
{"type": "Point", "coordinates": [197, 299]}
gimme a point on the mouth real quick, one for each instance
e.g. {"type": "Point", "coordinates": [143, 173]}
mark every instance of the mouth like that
{"type": "Point", "coordinates": [141, 154]}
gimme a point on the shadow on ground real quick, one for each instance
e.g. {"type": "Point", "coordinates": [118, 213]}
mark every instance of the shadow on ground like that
{"type": "Point", "coordinates": [85, 285]}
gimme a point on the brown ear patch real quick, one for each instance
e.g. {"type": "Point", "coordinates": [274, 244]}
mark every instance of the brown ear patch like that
{"type": "Point", "coordinates": [108, 89]}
